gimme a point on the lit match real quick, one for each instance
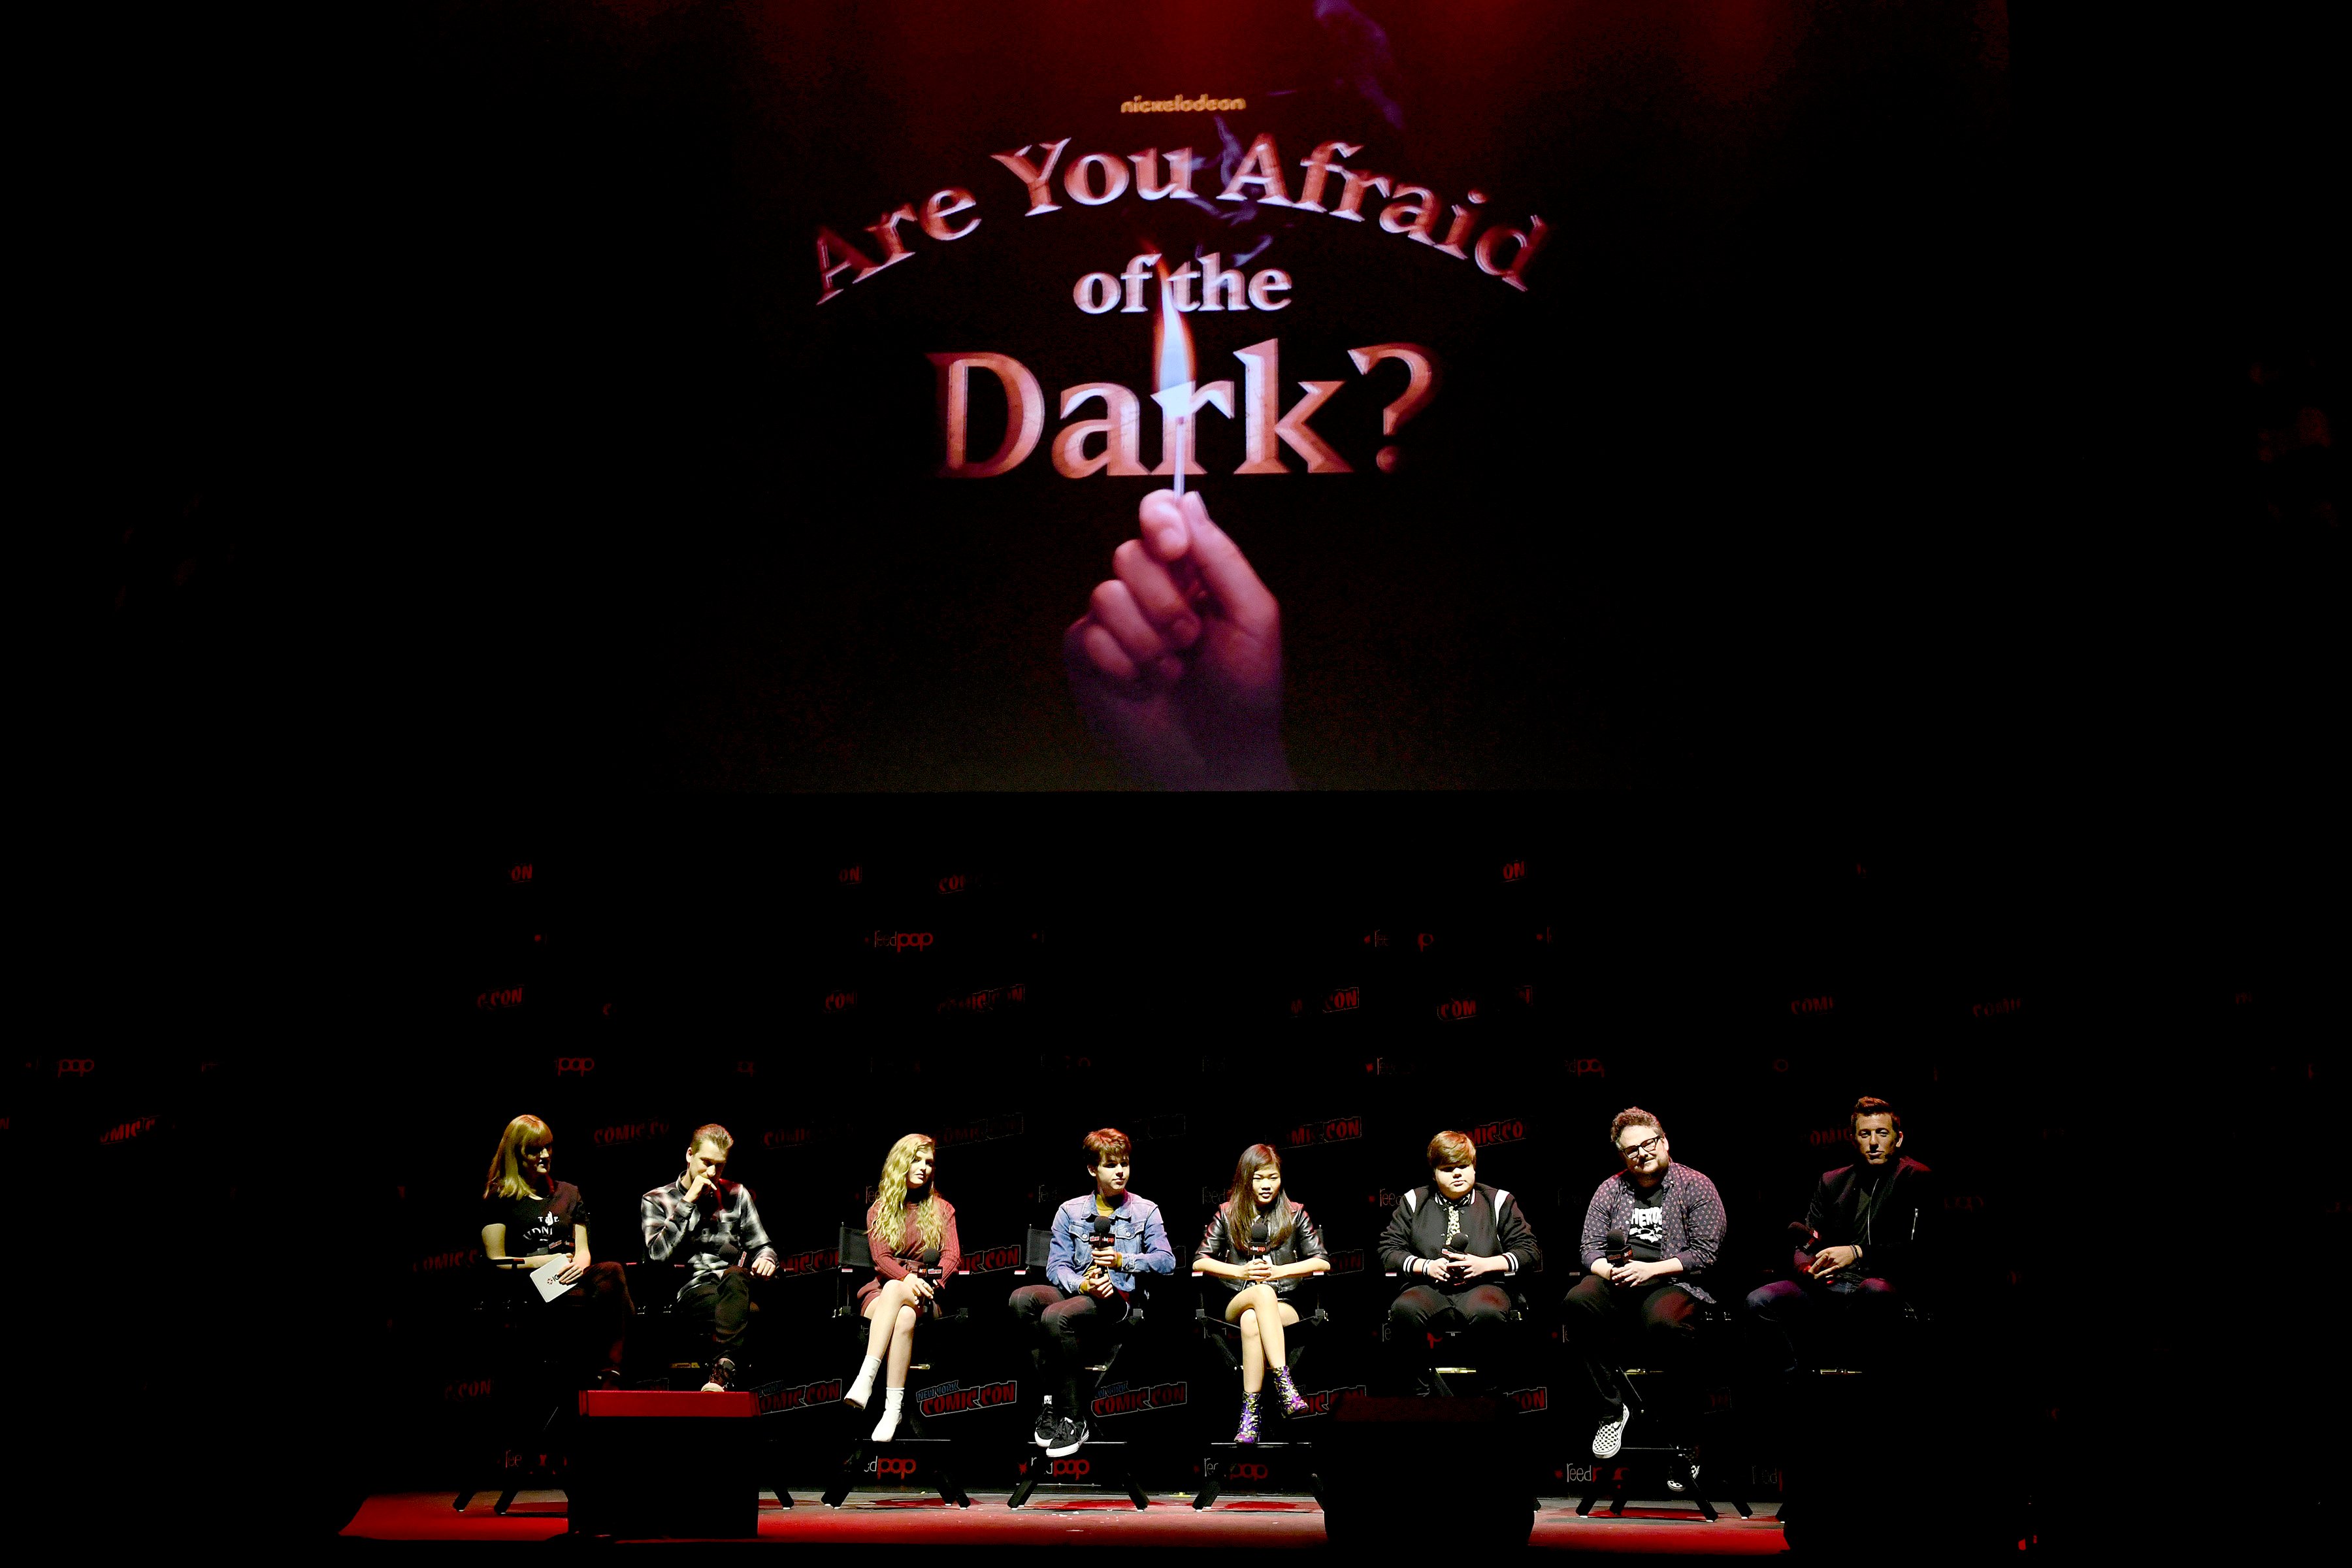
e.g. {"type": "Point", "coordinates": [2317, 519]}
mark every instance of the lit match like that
{"type": "Point", "coordinates": [1178, 397]}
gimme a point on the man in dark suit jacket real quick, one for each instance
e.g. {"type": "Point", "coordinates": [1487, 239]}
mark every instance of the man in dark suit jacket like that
{"type": "Point", "coordinates": [1863, 1252]}
{"type": "Point", "coordinates": [1454, 1242]}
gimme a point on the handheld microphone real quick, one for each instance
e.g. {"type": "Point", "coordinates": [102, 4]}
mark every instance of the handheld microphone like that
{"type": "Point", "coordinates": [1258, 1235]}
{"type": "Point", "coordinates": [1617, 1246]}
{"type": "Point", "coordinates": [1808, 1240]}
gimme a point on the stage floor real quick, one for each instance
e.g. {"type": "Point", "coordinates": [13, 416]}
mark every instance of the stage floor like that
{"type": "Point", "coordinates": [911, 1520]}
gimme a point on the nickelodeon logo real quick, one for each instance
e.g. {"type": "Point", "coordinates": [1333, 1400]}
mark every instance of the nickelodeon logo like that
{"type": "Point", "coordinates": [775, 1396]}
{"type": "Point", "coordinates": [1338, 1130]}
{"type": "Point", "coordinates": [954, 1399]}
{"type": "Point", "coordinates": [1125, 1401]}
{"type": "Point", "coordinates": [124, 1132]}
{"type": "Point", "coordinates": [628, 1133]}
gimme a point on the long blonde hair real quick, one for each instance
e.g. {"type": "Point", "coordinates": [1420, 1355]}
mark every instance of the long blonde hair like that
{"type": "Point", "coordinates": [506, 1178]}
{"type": "Point", "coordinates": [890, 1196]}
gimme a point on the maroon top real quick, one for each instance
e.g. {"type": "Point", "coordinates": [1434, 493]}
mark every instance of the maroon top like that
{"type": "Point", "coordinates": [888, 1264]}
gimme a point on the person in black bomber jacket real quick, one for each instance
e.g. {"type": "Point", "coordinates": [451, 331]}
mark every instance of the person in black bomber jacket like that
{"type": "Point", "coordinates": [1454, 1242]}
{"type": "Point", "coordinates": [1863, 1253]}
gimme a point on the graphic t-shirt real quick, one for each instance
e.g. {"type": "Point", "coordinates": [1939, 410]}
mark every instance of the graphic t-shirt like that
{"type": "Point", "coordinates": [537, 1225]}
{"type": "Point", "coordinates": [1646, 1231]}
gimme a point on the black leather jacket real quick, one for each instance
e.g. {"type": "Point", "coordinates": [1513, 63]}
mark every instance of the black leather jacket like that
{"type": "Point", "coordinates": [1305, 1241]}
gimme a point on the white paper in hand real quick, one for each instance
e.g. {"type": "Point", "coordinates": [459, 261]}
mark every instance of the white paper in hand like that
{"type": "Point", "coordinates": [545, 1276]}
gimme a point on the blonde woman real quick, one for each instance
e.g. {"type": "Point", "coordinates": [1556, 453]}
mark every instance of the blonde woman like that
{"type": "Point", "coordinates": [911, 1231]}
{"type": "Point", "coordinates": [529, 1219]}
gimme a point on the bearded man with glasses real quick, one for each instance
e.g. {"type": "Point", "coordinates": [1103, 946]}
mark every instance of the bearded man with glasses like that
{"type": "Point", "coordinates": [1651, 1232]}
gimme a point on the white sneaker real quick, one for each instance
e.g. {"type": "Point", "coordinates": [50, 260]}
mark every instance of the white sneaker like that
{"type": "Point", "coordinates": [1674, 1483]}
{"type": "Point", "coordinates": [1611, 1435]}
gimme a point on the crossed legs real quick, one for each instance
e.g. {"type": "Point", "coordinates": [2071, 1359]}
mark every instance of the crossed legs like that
{"type": "Point", "coordinates": [1262, 1316]}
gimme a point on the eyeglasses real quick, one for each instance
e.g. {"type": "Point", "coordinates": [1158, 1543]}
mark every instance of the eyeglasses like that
{"type": "Point", "coordinates": [1641, 1150]}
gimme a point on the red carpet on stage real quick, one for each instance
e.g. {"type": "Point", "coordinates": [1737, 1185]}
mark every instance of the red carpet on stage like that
{"type": "Point", "coordinates": [1101, 1521]}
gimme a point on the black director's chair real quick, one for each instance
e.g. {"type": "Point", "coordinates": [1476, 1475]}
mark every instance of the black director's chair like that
{"type": "Point", "coordinates": [1212, 1327]}
{"type": "Point", "coordinates": [1677, 1455]}
{"type": "Point", "coordinates": [1099, 1464]}
{"type": "Point", "coordinates": [914, 1441]}
{"type": "Point", "coordinates": [521, 1427]}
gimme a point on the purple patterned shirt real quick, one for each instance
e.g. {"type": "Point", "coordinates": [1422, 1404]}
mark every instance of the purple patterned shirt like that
{"type": "Point", "coordinates": [1693, 1218]}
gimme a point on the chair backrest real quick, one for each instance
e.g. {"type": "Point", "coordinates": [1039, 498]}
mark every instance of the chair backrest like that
{"type": "Point", "coordinates": [1038, 1251]}
{"type": "Point", "coordinates": [857, 1260]}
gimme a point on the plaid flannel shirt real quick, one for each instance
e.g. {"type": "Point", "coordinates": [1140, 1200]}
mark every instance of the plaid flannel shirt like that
{"type": "Point", "coordinates": [677, 1231]}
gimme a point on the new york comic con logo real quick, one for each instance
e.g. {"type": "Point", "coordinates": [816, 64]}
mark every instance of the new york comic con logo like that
{"type": "Point", "coordinates": [1337, 1130]}
{"type": "Point", "coordinates": [811, 1262]}
{"type": "Point", "coordinates": [1319, 1401]}
{"type": "Point", "coordinates": [770, 1399]}
{"type": "Point", "coordinates": [1121, 1400]}
{"type": "Point", "coordinates": [987, 1130]}
{"type": "Point", "coordinates": [953, 1398]}
{"type": "Point", "coordinates": [1508, 1131]}
{"type": "Point", "coordinates": [994, 1259]}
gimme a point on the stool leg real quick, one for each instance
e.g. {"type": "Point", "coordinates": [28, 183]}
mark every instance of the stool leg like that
{"type": "Point", "coordinates": [1210, 1485]}
{"type": "Point", "coordinates": [1032, 1472]}
{"type": "Point", "coordinates": [1617, 1507]}
{"type": "Point", "coordinates": [1134, 1491]}
{"type": "Point", "coordinates": [851, 1469]}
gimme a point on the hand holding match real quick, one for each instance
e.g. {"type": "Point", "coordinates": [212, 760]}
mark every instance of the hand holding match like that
{"type": "Point", "coordinates": [1177, 660]}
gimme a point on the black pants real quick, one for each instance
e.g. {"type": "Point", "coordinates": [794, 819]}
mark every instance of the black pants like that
{"type": "Point", "coordinates": [1482, 1314]}
{"type": "Point", "coordinates": [720, 1306]}
{"type": "Point", "coordinates": [1862, 1311]}
{"type": "Point", "coordinates": [594, 1317]}
{"type": "Point", "coordinates": [1064, 1331]}
{"type": "Point", "coordinates": [1606, 1321]}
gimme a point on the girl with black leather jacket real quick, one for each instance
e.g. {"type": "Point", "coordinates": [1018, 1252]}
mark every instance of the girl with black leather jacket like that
{"type": "Point", "coordinates": [1259, 1247]}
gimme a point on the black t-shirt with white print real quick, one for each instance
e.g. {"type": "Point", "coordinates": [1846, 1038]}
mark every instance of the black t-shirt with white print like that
{"type": "Point", "coordinates": [1645, 1235]}
{"type": "Point", "coordinates": [538, 1227]}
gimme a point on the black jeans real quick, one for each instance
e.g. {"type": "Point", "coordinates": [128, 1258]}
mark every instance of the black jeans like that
{"type": "Point", "coordinates": [1662, 1319]}
{"type": "Point", "coordinates": [1863, 1310]}
{"type": "Point", "coordinates": [720, 1306]}
{"type": "Point", "coordinates": [1482, 1314]}
{"type": "Point", "coordinates": [595, 1315]}
{"type": "Point", "coordinates": [1063, 1331]}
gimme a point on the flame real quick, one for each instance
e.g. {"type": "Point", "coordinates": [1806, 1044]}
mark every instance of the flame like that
{"type": "Point", "coordinates": [1171, 340]}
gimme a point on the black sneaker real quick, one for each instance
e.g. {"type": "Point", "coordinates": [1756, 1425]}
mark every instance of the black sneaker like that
{"type": "Point", "coordinates": [721, 1376]}
{"type": "Point", "coordinates": [1044, 1433]}
{"type": "Point", "coordinates": [1069, 1435]}
{"type": "Point", "coordinates": [1676, 1485]}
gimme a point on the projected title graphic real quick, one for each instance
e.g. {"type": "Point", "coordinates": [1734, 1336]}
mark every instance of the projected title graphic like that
{"type": "Point", "coordinates": [1100, 179]}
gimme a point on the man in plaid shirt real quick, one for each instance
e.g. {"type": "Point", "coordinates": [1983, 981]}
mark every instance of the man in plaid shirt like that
{"type": "Point", "coordinates": [710, 1224]}
{"type": "Point", "coordinates": [1651, 1233]}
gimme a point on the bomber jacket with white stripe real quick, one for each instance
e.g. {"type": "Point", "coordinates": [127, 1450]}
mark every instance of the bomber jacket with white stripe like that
{"type": "Point", "coordinates": [1492, 1225]}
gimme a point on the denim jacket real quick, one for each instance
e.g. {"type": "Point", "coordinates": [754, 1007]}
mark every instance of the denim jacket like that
{"type": "Point", "coordinates": [1135, 1230]}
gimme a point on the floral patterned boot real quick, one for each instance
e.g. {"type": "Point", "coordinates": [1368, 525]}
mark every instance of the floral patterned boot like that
{"type": "Point", "coordinates": [1293, 1403]}
{"type": "Point", "coordinates": [1247, 1432]}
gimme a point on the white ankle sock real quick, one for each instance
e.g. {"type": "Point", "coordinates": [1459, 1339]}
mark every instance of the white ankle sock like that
{"type": "Point", "coordinates": [861, 1390]}
{"type": "Point", "coordinates": [888, 1428]}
